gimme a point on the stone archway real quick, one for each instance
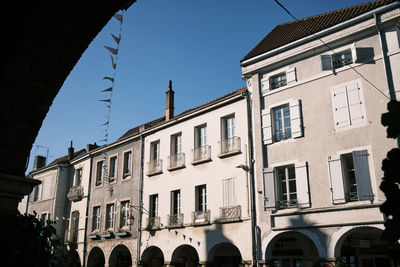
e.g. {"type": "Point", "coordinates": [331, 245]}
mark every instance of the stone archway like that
{"type": "Point", "coordinates": [120, 257]}
{"type": "Point", "coordinates": [96, 258]}
{"type": "Point", "coordinates": [185, 256]}
{"type": "Point", "coordinates": [224, 255]}
{"type": "Point", "coordinates": [152, 257]}
{"type": "Point", "coordinates": [362, 246]}
{"type": "Point", "coordinates": [291, 249]}
{"type": "Point", "coordinates": [73, 258]}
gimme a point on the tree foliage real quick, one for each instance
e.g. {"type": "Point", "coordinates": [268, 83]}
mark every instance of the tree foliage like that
{"type": "Point", "coordinates": [391, 180]}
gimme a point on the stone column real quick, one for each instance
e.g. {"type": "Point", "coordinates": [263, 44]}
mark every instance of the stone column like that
{"type": "Point", "coordinates": [203, 263]}
{"type": "Point", "coordinates": [167, 264]}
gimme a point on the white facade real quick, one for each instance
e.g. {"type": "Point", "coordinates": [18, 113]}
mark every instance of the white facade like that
{"type": "Point", "coordinates": [319, 144]}
{"type": "Point", "coordinates": [196, 200]}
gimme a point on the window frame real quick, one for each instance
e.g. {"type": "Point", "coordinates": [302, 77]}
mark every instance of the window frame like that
{"type": "Point", "coordinates": [98, 219]}
{"type": "Point", "coordinates": [96, 180]}
{"type": "Point", "coordinates": [127, 226]}
{"type": "Point", "coordinates": [273, 85]}
{"type": "Point", "coordinates": [176, 202]}
{"type": "Point", "coordinates": [106, 219]}
{"type": "Point", "coordinates": [127, 174]}
{"type": "Point", "coordinates": [284, 134]}
{"type": "Point", "coordinates": [77, 170]}
{"type": "Point", "coordinates": [153, 205]}
{"type": "Point", "coordinates": [287, 180]}
{"type": "Point", "coordinates": [201, 198]}
{"type": "Point", "coordinates": [115, 177]}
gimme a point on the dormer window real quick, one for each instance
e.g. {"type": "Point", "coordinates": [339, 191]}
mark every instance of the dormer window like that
{"type": "Point", "coordinates": [342, 59]}
{"type": "Point", "coordinates": [277, 81]}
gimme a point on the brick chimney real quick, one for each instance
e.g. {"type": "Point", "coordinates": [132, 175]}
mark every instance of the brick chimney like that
{"type": "Point", "coordinates": [90, 147]}
{"type": "Point", "coordinates": [70, 152]}
{"type": "Point", "coordinates": [39, 162]}
{"type": "Point", "coordinates": [169, 107]}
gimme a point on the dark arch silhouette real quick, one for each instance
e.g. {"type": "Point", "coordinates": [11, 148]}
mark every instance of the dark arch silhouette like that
{"type": "Point", "coordinates": [120, 257]}
{"type": "Point", "coordinates": [224, 255]}
{"type": "Point", "coordinates": [96, 258]}
{"type": "Point", "coordinates": [185, 256]}
{"type": "Point", "coordinates": [152, 257]}
{"type": "Point", "coordinates": [73, 258]}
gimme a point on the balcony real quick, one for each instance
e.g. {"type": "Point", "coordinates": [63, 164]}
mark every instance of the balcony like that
{"type": "Point", "coordinates": [175, 220]}
{"type": "Point", "coordinates": [154, 167]}
{"type": "Point", "coordinates": [176, 161]}
{"type": "Point", "coordinates": [201, 217]}
{"type": "Point", "coordinates": [75, 194]}
{"type": "Point", "coordinates": [71, 236]}
{"type": "Point", "coordinates": [230, 214]}
{"type": "Point", "coordinates": [153, 223]}
{"type": "Point", "coordinates": [201, 154]}
{"type": "Point", "coordinates": [229, 147]}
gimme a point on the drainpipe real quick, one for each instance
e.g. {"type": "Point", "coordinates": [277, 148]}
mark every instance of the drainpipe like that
{"type": "Point", "coordinates": [87, 214]}
{"type": "Point", "coordinates": [139, 223]}
{"type": "Point", "coordinates": [251, 171]}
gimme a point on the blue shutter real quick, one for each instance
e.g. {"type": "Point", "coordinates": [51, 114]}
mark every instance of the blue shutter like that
{"type": "Point", "coordinates": [336, 179]}
{"type": "Point", "coordinates": [363, 178]}
{"type": "Point", "coordinates": [326, 63]}
{"type": "Point", "coordinates": [269, 188]}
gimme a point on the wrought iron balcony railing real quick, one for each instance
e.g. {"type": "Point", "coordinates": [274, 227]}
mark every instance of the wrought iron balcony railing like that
{"type": "Point", "coordinates": [75, 194]}
{"type": "Point", "coordinates": [153, 222]}
{"type": "Point", "coordinates": [201, 154]}
{"type": "Point", "coordinates": [277, 84]}
{"type": "Point", "coordinates": [285, 204]}
{"type": "Point", "coordinates": [176, 161]}
{"type": "Point", "coordinates": [175, 220]}
{"type": "Point", "coordinates": [201, 217]}
{"type": "Point", "coordinates": [279, 135]}
{"type": "Point", "coordinates": [71, 236]}
{"type": "Point", "coordinates": [230, 145]}
{"type": "Point", "coordinates": [229, 214]}
{"type": "Point", "coordinates": [154, 167]}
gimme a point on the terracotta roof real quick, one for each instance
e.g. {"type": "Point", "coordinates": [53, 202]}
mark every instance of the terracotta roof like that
{"type": "Point", "coordinates": [291, 31]}
{"type": "Point", "coordinates": [161, 120]}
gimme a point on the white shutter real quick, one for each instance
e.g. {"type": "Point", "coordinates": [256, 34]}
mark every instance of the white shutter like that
{"type": "Point", "coordinates": [291, 76]}
{"type": "Point", "coordinates": [336, 179]}
{"type": "Point", "coordinates": [295, 118]}
{"type": "Point", "coordinates": [363, 178]}
{"type": "Point", "coordinates": [228, 193]}
{"type": "Point", "coordinates": [354, 53]}
{"type": "Point", "coordinates": [40, 191]}
{"type": "Point", "coordinates": [326, 62]}
{"type": "Point", "coordinates": [303, 196]}
{"type": "Point", "coordinates": [269, 188]}
{"type": "Point", "coordinates": [265, 84]}
{"type": "Point", "coordinates": [355, 103]}
{"type": "Point", "coordinates": [340, 107]}
{"type": "Point", "coordinates": [266, 126]}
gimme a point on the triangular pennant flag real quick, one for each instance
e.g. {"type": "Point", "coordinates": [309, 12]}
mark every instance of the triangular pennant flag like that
{"type": "Point", "coordinates": [116, 39]}
{"type": "Point", "coordinates": [102, 140]}
{"type": "Point", "coordinates": [109, 78]}
{"type": "Point", "coordinates": [112, 62]}
{"type": "Point", "coordinates": [112, 50]}
{"type": "Point", "coordinates": [118, 17]}
{"type": "Point", "coordinates": [108, 89]}
{"type": "Point", "coordinates": [106, 100]}
{"type": "Point", "coordinates": [104, 123]}
{"type": "Point", "coordinates": [108, 106]}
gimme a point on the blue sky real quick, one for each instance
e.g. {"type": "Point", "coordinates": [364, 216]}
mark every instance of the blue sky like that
{"type": "Point", "coordinates": [196, 44]}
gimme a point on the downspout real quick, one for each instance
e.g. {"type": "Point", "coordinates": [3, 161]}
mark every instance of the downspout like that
{"type": "Point", "coordinates": [139, 224]}
{"type": "Point", "coordinates": [87, 214]}
{"type": "Point", "coordinates": [251, 171]}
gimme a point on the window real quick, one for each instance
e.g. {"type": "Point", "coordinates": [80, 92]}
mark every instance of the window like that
{"type": "Point", "coordinates": [175, 202]}
{"type": "Point", "coordinates": [127, 163]}
{"type": "Point", "coordinates": [278, 80]}
{"type": "Point", "coordinates": [348, 105]}
{"type": "Point", "coordinates": [176, 158]}
{"type": "Point", "coordinates": [201, 198]}
{"type": "Point", "coordinates": [110, 216]}
{"type": "Point", "coordinates": [350, 177]}
{"type": "Point", "coordinates": [201, 149]}
{"type": "Point", "coordinates": [113, 169]}
{"type": "Point", "coordinates": [36, 193]}
{"type": "Point", "coordinates": [282, 122]}
{"type": "Point", "coordinates": [228, 192]}
{"type": "Point", "coordinates": [342, 58]}
{"type": "Point", "coordinates": [96, 219]}
{"type": "Point", "coordinates": [286, 181]}
{"type": "Point", "coordinates": [153, 209]}
{"type": "Point", "coordinates": [73, 236]}
{"type": "Point", "coordinates": [230, 142]}
{"type": "Point", "coordinates": [99, 173]}
{"type": "Point", "coordinates": [124, 214]}
{"type": "Point", "coordinates": [45, 216]}
{"type": "Point", "coordinates": [286, 186]}
{"type": "Point", "coordinates": [78, 177]}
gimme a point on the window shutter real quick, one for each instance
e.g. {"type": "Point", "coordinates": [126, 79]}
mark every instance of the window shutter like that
{"type": "Point", "coordinates": [303, 196]}
{"type": "Point", "coordinates": [40, 191]}
{"type": "Point", "coordinates": [340, 107]}
{"type": "Point", "coordinates": [295, 118]}
{"type": "Point", "coordinates": [355, 104]}
{"type": "Point", "coordinates": [326, 62]}
{"type": "Point", "coordinates": [354, 53]}
{"type": "Point", "coordinates": [336, 179]}
{"type": "Point", "coordinates": [291, 76]}
{"type": "Point", "coordinates": [269, 188]}
{"type": "Point", "coordinates": [265, 84]}
{"type": "Point", "coordinates": [266, 126]}
{"type": "Point", "coordinates": [363, 178]}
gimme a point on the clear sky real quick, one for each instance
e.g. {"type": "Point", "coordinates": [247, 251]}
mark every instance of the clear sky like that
{"type": "Point", "coordinates": [196, 44]}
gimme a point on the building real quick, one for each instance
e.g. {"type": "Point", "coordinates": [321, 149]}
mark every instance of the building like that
{"type": "Point", "coordinates": [319, 86]}
{"type": "Point", "coordinates": [196, 186]}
